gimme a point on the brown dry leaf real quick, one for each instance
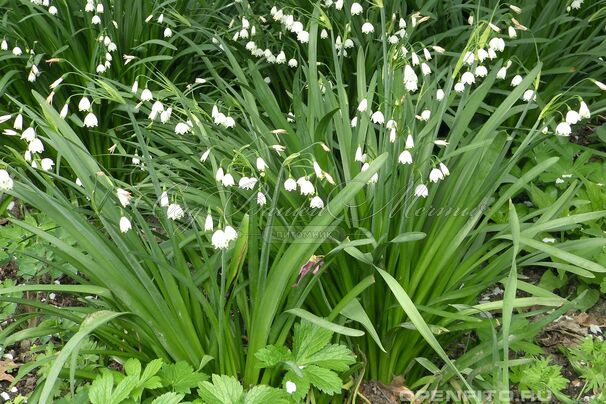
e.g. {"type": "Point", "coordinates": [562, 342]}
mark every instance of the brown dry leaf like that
{"type": "Point", "coordinates": [7, 366]}
{"type": "Point", "coordinates": [401, 391]}
{"type": "Point", "coordinates": [567, 332]}
{"type": "Point", "coordinates": [587, 319]}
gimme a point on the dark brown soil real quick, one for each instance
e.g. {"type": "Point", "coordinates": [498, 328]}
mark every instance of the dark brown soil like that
{"type": "Point", "coordinates": [378, 393]}
{"type": "Point", "coordinates": [567, 333]}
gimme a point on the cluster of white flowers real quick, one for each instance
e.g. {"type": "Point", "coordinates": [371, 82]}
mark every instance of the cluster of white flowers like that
{"type": "Point", "coordinates": [110, 47]}
{"type": "Point", "coordinates": [90, 120]}
{"type": "Point", "coordinates": [342, 46]}
{"type": "Point", "coordinates": [220, 118]}
{"type": "Point", "coordinates": [34, 71]}
{"type": "Point", "coordinates": [474, 60]}
{"type": "Point", "coordinates": [438, 173]}
{"type": "Point", "coordinates": [417, 61]}
{"type": "Point", "coordinates": [174, 211]}
{"type": "Point", "coordinates": [52, 10]}
{"type": "Point", "coordinates": [411, 79]}
{"type": "Point", "coordinates": [164, 22]}
{"type": "Point", "coordinates": [247, 31]}
{"type": "Point", "coordinates": [405, 157]}
{"type": "Point", "coordinates": [34, 145]}
{"type": "Point", "coordinates": [289, 23]}
{"type": "Point", "coordinates": [572, 117]}
{"type": "Point", "coordinates": [97, 9]}
{"type": "Point", "coordinates": [221, 238]}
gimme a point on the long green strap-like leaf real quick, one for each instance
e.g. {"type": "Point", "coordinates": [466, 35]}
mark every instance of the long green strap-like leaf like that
{"type": "Point", "coordinates": [291, 261]}
{"type": "Point", "coordinates": [511, 287]}
{"type": "Point", "coordinates": [418, 321]}
{"type": "Point", "coordinates": [89, 325]}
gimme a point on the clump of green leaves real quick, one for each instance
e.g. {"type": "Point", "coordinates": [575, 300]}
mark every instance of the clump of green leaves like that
{"type": "Point", "coordinates": [157, 377]}
{"type": "Point", "coordinates": [113, 387]}
{"type": "Point", "coordinates": [28, 252]}
{"type": "Point", "coordinates": [312, 362]}
{"type": "Point", "coordinates": [539, 377]}
{"type": "Point", "coordinates": [180, 379]}
{"type": "Point", "coordinates": [228, 390]}
{"type": "Point", "coordinates": [589, 361]}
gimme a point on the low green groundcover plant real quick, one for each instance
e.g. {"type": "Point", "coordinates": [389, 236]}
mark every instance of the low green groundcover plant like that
{"type": "Point", "coordinates": [353, 165]}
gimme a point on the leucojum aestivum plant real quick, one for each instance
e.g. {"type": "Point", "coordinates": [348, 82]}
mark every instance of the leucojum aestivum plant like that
{"type": "Point", "coordinates": [336, 162]}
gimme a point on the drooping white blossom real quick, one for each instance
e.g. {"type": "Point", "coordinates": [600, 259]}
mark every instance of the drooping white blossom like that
{"type": "Point", "coordinates": [421, 191]}
{"type": "Point", "coordinates": [228, 180]}
{"type": "Point", "coordinates": [363, 105]}
{"type": "Point", "coordinates": [175, 211]}
{"type": "Point", "coordinates": [164, 201]}
{"type": "Point", "coordinates": [572, 117]}
{"type": "Point", "coordinates": [305, 186]}
{"type": "Point", "coordinates": [261, 164]}
{"type": "Point", "coordinates": [563, 129]}
{"type": "Point", "coordinates": [435, 175]}
{"type": "Point", "coordinates": [368, 28]}
{"type": "Point", "coordinates": [261, 199]}
{"type": "Point", "coordinates": [356, 9]}
{"type": "Point", "coordinates": [529, 95]}
{"type": "Point", "coordinates": [517, 79]}
{"type": "Point", "coordinates": [28, 134]}
{"type": "Point", "coordinates": [123, 196]}
{"type": "Point", "coordinates": [316, 202]}
{"type": "Point", "coordinates": [6, 182]}
{"type": "Point", "coordinates": [246, 182]}
{"type": "Point", "coordinates": [36, 146]}
{"type": "Point", "coordinates": [290, 185]}
{"type": "Point", "coordinates": [405, 157]}
{"type": "Point", "coordinates": [90, 120]}
{"type": "Point", "coordinates": [125, 224]}
{"type": "Point", "coordinates": [584, 112]}
{"type": "Point", "coordinates": [377, 117]}
{"type": "Point", "coordinates": [208, 223]}
{"type": "Point", "coordinates": [84, 104]}
{"type": "Point", "coordinates": [444, 169]}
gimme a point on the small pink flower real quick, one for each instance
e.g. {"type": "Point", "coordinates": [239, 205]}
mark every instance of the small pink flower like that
{"type": "Point", "coordinates": [315, 262]}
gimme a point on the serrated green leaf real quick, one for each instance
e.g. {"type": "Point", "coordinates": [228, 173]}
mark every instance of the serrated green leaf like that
{"type": "Point", "coordinates": [153, 382]}
{"type": "Point", "coordinates": [168, 398]}
{"type": "Point", "coordinates": [265, 394]}
{"type": "Point", "coordinates": [323, 379]}
{"type": "Point", "coordinates": [271, 355]}
{"type": "Point", "coordinates": [132, 367]}
{"type": "Point", "coordinates": [124, 389]}
{"type": "Point", "coordinates": [180, 377]}
{"type": "Point", "coordinates": [151, 369]}
{"type": "Point", "coordinates": [335, 357]}
{"type": "Point", "coordinates": [222, 390]}
{"type": "Point", "coordinates": [309, 339]}
{"type": "Point", "coordinates": [100, 391]}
